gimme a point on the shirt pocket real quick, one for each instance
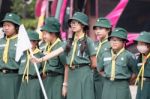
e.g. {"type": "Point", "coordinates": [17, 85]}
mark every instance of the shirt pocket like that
{"type": "Point", "coordinates": [121, 66]}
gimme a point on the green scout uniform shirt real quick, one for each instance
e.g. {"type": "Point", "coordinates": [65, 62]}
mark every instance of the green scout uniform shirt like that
{"type": "Point", "coordinates": [125, 64]}
{"type": "Point", "coordinates": [11, 64]}
{"type": "Point", "coordinates": [79, 57]}
{"type": "Point", "coordinates": [56, 64]}
{"type": "Point", "coordinates": [146, 66]}
{"type": "Point", "coordinates": [106, 46]}
{"type": "Point", "coordinates": [32, 70]}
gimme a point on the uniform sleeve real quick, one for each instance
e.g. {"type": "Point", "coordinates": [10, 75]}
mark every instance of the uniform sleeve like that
{"type": "Point", "coordinates": [100, 63]}
{"type": "Point", "coordinates": [132, 63]}
{"type": "Point", "coordinates": [64, 44]}
{"type": "Point", "coordinates": [91, 47]}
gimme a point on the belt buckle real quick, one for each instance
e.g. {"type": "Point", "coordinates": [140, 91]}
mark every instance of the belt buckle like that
{"type": "Point", "coordinates": [4, 71]}
{"type": "Point", "coordinates": [73, 67]}
{"type": "Point", "coordinates": [144, 79]}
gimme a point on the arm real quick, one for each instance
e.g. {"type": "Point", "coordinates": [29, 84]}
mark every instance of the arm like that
{"type": "Point", "coordinates": [93, 62]}
{"type": "Point", "coordinates": [65, 83]}
{"type": "Point", "coordinates": [48, 56]}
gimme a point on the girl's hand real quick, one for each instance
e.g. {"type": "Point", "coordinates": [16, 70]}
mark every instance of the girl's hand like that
{"type": "Point", "coordinates": [36, 60]}
{"type": "Point", "coordinates": [64, 90]}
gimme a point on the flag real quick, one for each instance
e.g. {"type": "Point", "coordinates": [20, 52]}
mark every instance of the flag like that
{"type": "Point", "coordinates": [23, 42]}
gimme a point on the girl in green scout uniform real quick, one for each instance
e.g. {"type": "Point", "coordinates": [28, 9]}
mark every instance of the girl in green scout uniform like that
{"type": "Point", "coordinates": [81, 57]}
{"type": "Point", "coordinates": [143, 46]}
{"type": "Point", "coordinates": [102, 29]}
{"type": "Point", "coordinates": [30, 87]}
{"type": "Point", "coordinates": [53, 68]}
{"type": "Point", "coordinates": [119, 67]}
{"type": "Point", "coordinates": [9, 78]}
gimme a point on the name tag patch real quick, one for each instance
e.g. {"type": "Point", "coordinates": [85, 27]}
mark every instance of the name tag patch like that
{"type": "Point", "coordinates": [107, 59]}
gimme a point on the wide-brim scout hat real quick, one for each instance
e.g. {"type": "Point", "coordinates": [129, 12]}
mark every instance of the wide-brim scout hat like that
{"type": "Point", "coordinates": [51, 25]}
{"type": "Point", "coordinates": [34, 36]}
{"type": "Point", "coordinates": [13, 18]}
{"type": "Point", "coordinates": [80, 17]}
{"type": "Point", "coordinates": [119, 33]}
{"type": "Point", "coordinates": [144, 37]}
{"type": "Point", "coordinates": [102, 22]}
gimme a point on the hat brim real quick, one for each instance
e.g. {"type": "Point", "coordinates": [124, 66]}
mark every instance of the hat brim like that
{"type": "Point", "coordinates": [82, 22]}
{"type": "Point", "coordinates": [9, 20]}
{"type": "Point", "coordinates": [142, 41]}
{"type": "Point", "coordinates": [48, 29]}
{"type": "Point", "coordinates": [118, 37]}
{"type": "Point", "coordinates": [100, 25]}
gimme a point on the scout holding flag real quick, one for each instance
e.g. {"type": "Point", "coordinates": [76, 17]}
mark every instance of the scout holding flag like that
{"type": "Point", "coordinates": [119, 67]}
{"type": "Point", "coordinates": [53, 68]}
{"type": "Point", "coordinates": [30, 86]}
{"type": "Point", "coordinates": [143, 78]}
{"type": "Point", "coordinates": [9, 78]}
{"type": "Point", "coordinates": [102, 29]}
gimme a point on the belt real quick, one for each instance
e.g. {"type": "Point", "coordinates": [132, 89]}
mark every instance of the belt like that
{"type": "Point", "coordinates": [31, 77]}
{"type": "Point", "coordinates": [108, 78]}
{"type": "Point", "coordinates": [77, 66]}
{"type": "Point", "coordinates": [52, 73]}
{"type": "Point", "coordinates": [146, 78]}
{"type": "Point", "coordinates": [6, 71]}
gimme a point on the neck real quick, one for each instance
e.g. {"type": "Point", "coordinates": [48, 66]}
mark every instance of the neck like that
{"type": "Point", "coordinates": [53, 40]}
{"type": "Point", "coordinates": [33, 48]}
{"type": "Point", "coordinates": [145, 54]}
{"type": "Point", "coordinates": [78, 34]}
{"type": "Point", "coordinates": [116, 50]}
{"type": "Point", "coordinates": [103, 39]}
{"type": "Point", "coordinates": [9, 36]}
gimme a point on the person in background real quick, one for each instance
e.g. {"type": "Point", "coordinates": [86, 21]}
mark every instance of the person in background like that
{"type": "Point", "coordinates": [119, 67]}
{"type": "Point", "coordinates": [9, 78]}
{"type": "Point", "coordinates": [102, 29]}
{"type": "Point", "coordinates": [143, 79]}
{"type": "Point", "coordinates": [30, 86]}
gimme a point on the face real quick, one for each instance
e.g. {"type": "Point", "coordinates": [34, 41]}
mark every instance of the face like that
{"type": "Point", "coordinates": [116, 43]}
{"type": "Point", "coordinates": [43, 35]}
{"type": "Point", "coordinates": [9, 29]}
{"type": "Point", "coordinates": [101, 32]}
{"type": "Point", "coordinates": [143, 48]}
{"type": "Point", "coordinates": [48, 36]}
{"type": "Point", "coordinates": [76, 26]}
{"type": "Point", "coordinates": [34, 43]}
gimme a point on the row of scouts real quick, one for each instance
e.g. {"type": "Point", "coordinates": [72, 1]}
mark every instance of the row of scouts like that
{"type": "Point", "coordinates": [77, 68]}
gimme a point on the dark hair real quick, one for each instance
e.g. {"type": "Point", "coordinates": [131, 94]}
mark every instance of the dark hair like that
{"type": "Point", "coordinates": [83, 42]}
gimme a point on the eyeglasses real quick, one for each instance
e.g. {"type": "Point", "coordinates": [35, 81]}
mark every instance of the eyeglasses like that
{"type": "Point", "coordinates": [74, 23]}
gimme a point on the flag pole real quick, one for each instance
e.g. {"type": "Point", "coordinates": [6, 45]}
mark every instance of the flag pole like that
{"type": "Point", "coordinates": [39, 77]}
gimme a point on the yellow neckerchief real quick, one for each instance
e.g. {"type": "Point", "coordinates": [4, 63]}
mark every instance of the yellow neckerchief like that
{"type": "Point", "coordinates": [26, 70]}
{"type": "Point", "coordinates": [114, 56]}
{"type": "Point", "coordinates": [141, 72]}
{"type": "Point", "coordinates": [76, 38]}
{"type": "Point", "coordinates": [5, 53]}
{"type": "Point", "coordinates": [100, 45]}
{"type": "Point", "coordinates": [49, 48]}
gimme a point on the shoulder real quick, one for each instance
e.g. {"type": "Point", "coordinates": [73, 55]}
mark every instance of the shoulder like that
{"type": "Point", "coordinates": [129, 54]}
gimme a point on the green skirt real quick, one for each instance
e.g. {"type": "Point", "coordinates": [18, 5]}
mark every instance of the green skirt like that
{"type": "Point", "coordinates": [116, 89]}
{"type": "Point", "coordinates": [30, 90]}
{"type": "Point", "coordinates": [9, 85]}
{"type": "Point", "coordinates": [98, 85]}
{"type": "Point", "coordinates": [53, 86]}
{"type": "Point", "coordinates": [80, 83]}
{"type": "Point", "coordinates": [145, 92]}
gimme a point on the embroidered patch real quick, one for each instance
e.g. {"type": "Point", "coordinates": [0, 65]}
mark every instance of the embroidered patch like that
{"type": "Point", "coordinates": [107, 59]}
{"type": "Point", "coordinates": [23, 61]}
{"type": "Point", "coordinates": [2, 45]}
{"type": "Point", "coordinates": [139, 64]}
